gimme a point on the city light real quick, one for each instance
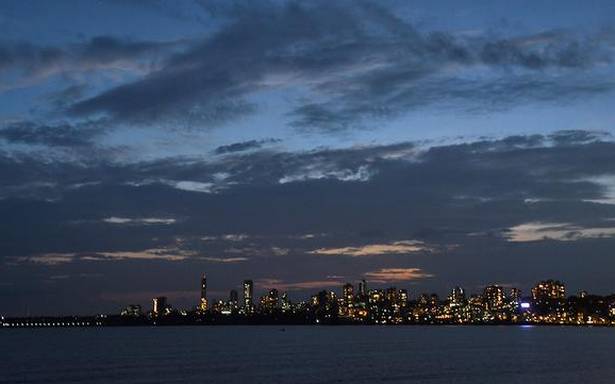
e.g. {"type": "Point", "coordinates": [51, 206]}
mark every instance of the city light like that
{"type": "Point", "coordinates": [548, 304]}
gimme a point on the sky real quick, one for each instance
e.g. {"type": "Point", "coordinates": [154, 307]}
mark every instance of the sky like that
{"type": "Point", "coordinates": [416, 144]}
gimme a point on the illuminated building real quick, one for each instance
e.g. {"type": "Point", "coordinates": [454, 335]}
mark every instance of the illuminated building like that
{"type": "Point", "coordinates": [203, 302]}
{"type": "Point", "coordinates": [549, 302]}
{"type": "Point", "coordinates": [391, 295]}
{"type": "Point", "coordinates": [514, 301]}
{"type": "Point", "coordinates": [233, 296]}
{"type": "Point", "coordinates": [548, 305]}
{"type": "Point", "coordinates": [457, 297]}
{"type": "Point", "coordinates": [362, 289]}
{"type": "Point", "coordinates": [286, 304]}
{"type": "Point", "coordinates": [233, 300]}
{"type": "Point", "coordinates": [248, 291]}
{"type": "Point", "coordinates": [271, 301]}
{"type": "Point", "coordinates": [515, 295]}
{"type": "Point", "coordinates": [403, 297]}
{"type": "Point", "coordinates": [159, 305]}
{"type": "Point", "coordinates": [494, 298]}
{"type": "Point", "coordinates": [132, 310]}
{"type": "Point", "coordinates": [348, 294]}
{"type": "Point", "coordinates": [324, 307]}
{"type": "Point", "coordinates": [548, 290]}
{"type": "Point", "coordinates": [346, 301]}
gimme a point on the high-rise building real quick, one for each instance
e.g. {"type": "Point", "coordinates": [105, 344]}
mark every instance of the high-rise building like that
{"type": "Point", "coordinates": [403, 297]}
{"type": "Point", "coordinates": [362, 289]}
{"type": "Point", "coordinates": [248, 298]}
{"type": "Point", "coordinates": [515, 295]}
{"type": "Point", "coordinates": [234, 296]}
{"type": "Point", "coordinates": [457, 297]}
{"type": "Point", "coordinates": [273, 298]}
{"type": "Point", "coordinates": [391, 295]}
{"type": "Point", "coordinates": [348, 294]}
{"type": "Point", "coordinates": [494, 297]}
{"type": "Point", "coordinates": [233, 303]}
{"type": "Point", "coordinates": [549, 290]}
{"type": "Point", "coordinates": [549, 301]}
{"type": "Point", "coordinates": [132, 310]}
{"type": "Point", "coordinates": [159, 305]}
{"type": "Point", "coordinates": [286, 304]}
{"type": "Point", "coordinates": [271, 301]}
{"type": "Point", "coordinates": [203, 302]}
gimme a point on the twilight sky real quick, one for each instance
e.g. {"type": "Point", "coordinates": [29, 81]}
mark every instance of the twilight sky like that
{"type": "Point", "coordinates": [419, 144]}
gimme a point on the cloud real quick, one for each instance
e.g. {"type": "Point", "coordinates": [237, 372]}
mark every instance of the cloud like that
{"type": "Point", "coordinates": [235, 237]}
{"type": "Point", "coordinates": [154, 254]}
{"type": "Point", "coordinates": [313, 172]}
{"type": "Point", "coordinates": [397, 247]}
{"type": "Point", "coordinates": [480, 169]}
{"type": "Point", "coordinates": [139, 221]}
{"type": "Point", "coordinates": [48, 259]}
{"type": "Point", "coordinates": [576, 137]}
{"type": "Point", "coordinates": [386, 275]}
{"type": "Point", "coordinates": [539, 231]}
{"type": "Point", "coordinates": [34, 63]}
{"type": "Point", "coordinates": [232, 237]}
{"type": "Point", "coordinates": [59, 135]}
{"type": "Point", "coordinates": [164, 254]}
{"type": "Point", "coordinates": [244, 146]}
{"type": "Point", "coordinates": [437, 195]}
{"type": "Point", "coordinates": [224, 260]}
{"type": "Point", "coordinates": [300, 285]}
{"type": "Point", "coordinates": [352, 64]}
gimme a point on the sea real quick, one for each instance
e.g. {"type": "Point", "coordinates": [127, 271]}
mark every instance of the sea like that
{"type": "Point", "coordinates": [309, 354]}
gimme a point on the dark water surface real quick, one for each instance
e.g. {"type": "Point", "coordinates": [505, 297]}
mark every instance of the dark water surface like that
{"type": "Point", "coordinates": [262, 354]}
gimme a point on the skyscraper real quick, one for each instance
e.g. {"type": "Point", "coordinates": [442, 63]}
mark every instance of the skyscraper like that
{"type": "Point", "coordinates": [362, 289]}
{"type": "Point", "coordinates": [159, 304]}
{"type": "Point", "coordinates": [233, 296]}
{"type": "Point", "coordinates": [494, 297]}
{"type": "Point", "coordinates": [348, 294]}
{"type": "Point", "coordinates": [248, 291]}
{"type": "Point", "coordinates": [457, 297]}
{"type": "Point", "coordinates": [286, 304]}
{"type": "Point", "coordinates": [203, 303]}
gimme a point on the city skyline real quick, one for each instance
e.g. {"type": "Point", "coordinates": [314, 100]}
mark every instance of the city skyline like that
{"type": "Point", "coordinates": [548, 303]}
{"type": "Point", "coordinates": [301, 144]}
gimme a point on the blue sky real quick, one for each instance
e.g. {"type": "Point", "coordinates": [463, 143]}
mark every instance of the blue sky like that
{"type": "Point", "coordinates": [279, 140]}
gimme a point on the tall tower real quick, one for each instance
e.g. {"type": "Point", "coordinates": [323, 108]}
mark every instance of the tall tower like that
{"type": "Point", "coordinates": [348, 294]}
{"type": "Point", "coordinates": [159, 304]}
{"type": "Point", "coordinates": [203, 302]}
{"type": "Point", "coordinates": [362, 288]}
{"type": "Point", "coordinates": [248, 291]}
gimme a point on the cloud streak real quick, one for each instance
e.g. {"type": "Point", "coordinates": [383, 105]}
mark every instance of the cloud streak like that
{"type": "Point", "coordinates": [539, 231]}
{"type": "Point", "coordinates": [391, 275]}
{"type": "Point", "coordinates": [397, 247]}
{"type": "Point", "coordinates": [33, 63]}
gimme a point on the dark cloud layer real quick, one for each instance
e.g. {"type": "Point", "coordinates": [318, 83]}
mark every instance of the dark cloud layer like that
{"type": "Point", "coordinates": [59, 135]}
{"type": "Point", "coordinates": [244, 146]}
{"type": "Point", "coordinates": [362, 60]}
{"type": "Point", "coordinates": [25, 62]}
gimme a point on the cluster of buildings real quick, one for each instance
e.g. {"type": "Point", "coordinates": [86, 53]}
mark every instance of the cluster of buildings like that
{"type": "Point", "coordinates": [547, 304]}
